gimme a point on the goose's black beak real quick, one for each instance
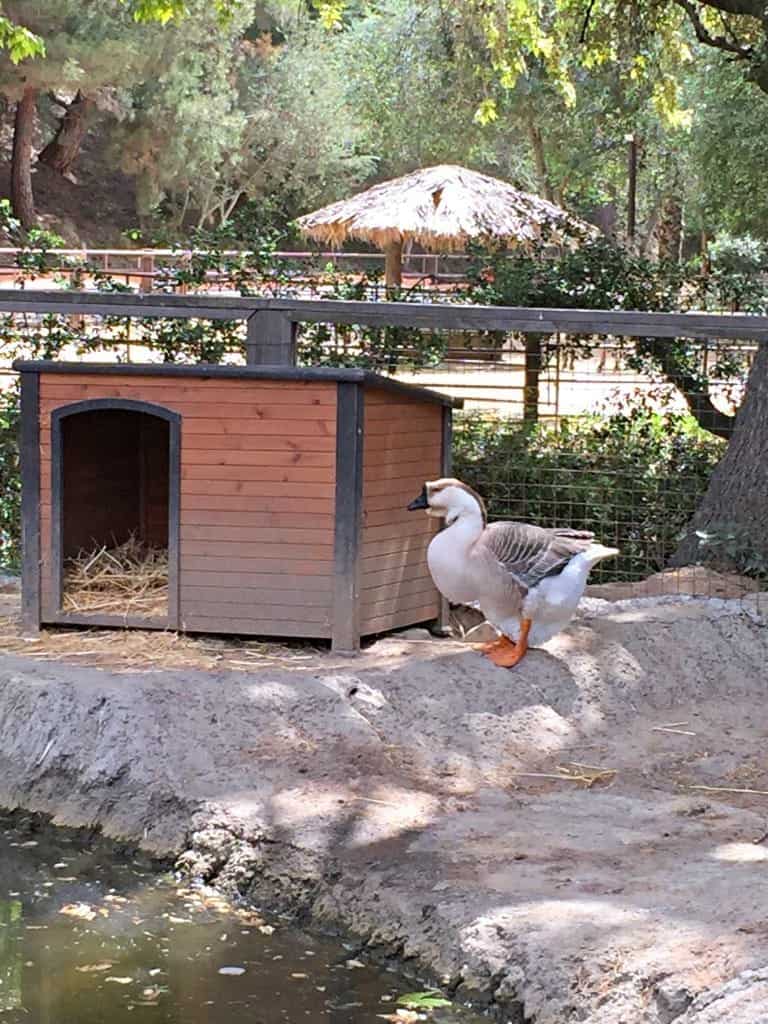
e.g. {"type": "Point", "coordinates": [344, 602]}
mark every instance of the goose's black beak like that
{"type": "Point", "coordinates": [420, 502]}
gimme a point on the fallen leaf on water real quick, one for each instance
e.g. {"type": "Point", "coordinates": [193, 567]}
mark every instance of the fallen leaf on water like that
{"type": "Point", "coordinates": [79, 910]}
{"type": "Point", "coordinates": [429, 1000]}
{"type": "Point", "coordinates": [119, 981]}
{"type": "Point", "coordinates": [402, 1016]}
{"type": "Point", "coordinates": [91, 968]}
{"type": "Point", "coordinates": [115, 899]}
{"type": "Point", "coordinates": [232, 970]}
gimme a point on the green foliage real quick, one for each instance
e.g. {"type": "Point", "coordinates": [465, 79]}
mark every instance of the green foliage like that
{"type": "Point", "coordinates": [19, 42]}
{"type": "Point", "coordinates": [413, 99]}
{"type": "Point", "coordinates": [596, 275]}
{"type": "Point", "coordinates": [381, 349]}
{"type": "Point", "coordinates": [737, 277]}
{"type": "Point", "coordinates": [726, 152]}
{"type": "Point", "coordinates": [429, 1000]}
{"type": "Point", "coordinates": [233, 118]}
{"type": "Point", "coordinates": [10, 480]}
{"type": "Point", "coordinates": [634, 479]}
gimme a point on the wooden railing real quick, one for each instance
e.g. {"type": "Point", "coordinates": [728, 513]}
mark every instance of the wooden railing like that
{"type": "Point", "coordinates": [271, 322]}
{"type": "Point", "coordinates": [144, 267]}
{"type": "Point", "coordinates": [520, 384]}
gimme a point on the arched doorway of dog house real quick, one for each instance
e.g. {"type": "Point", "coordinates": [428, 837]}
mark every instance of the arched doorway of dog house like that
{"type": "Point", "coordinates": [115, 496]}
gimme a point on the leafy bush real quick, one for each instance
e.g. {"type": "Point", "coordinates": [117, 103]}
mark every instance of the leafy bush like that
{"type": "Point", "coordinates": [634, 479]}
{"type": "Point", "coordinates": [10, 481]}
{"type": "Point", "coordinates": [382, 349]}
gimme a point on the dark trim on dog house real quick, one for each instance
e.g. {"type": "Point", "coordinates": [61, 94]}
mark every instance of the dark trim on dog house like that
{"type": "Point", "coordinates": [204, 371]}
{"type": "Point", "coordinates": [350, 405]}
{"type": "Point", "coordinates": [30, 502]}
{"type": "Point", "coordinates": [442, 625]}
{"type": "Point", "coordinates": [174, 505]}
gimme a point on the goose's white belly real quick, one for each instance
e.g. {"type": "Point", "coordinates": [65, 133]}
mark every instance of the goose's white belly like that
{"type": "Point", "coordinates": [550, 605]}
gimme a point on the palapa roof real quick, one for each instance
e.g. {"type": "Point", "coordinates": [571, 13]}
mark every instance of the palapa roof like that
{"type": "Point", "coordinates": [443, 207]}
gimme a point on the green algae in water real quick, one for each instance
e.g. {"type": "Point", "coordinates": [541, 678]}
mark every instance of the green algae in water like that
{"type": "Point", "coordinates": [92, 934]}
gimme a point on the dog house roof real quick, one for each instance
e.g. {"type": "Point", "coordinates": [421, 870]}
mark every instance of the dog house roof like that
{"type": "Point", "coordinates": [215, 370]}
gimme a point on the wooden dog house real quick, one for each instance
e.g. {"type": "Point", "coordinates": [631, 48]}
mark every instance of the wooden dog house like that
{"type": "Point", "coordinates": [277, 495]}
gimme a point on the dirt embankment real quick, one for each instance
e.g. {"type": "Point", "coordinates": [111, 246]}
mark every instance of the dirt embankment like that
{"type": "Point", "coordinates": [543, 838]}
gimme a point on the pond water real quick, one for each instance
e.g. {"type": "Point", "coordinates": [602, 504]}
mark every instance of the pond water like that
{"type": "Point", "coordinates": [92, 934]}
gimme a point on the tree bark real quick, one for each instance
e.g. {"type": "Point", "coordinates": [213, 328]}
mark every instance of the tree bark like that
{"type": "Point", "coordinates": [64, 148]}
{"type": "Point", "coordinates": [22, 197]}
{"type": "Point", "coordinates": [737, 495]}
{"type": "Point", "coordinates": [540, 159]}
{"type": "Point", "coordinates": [393, 265]}
{"type": "Point", "coordinates": [670, 228]}
{"type": "Point", "coordinates": [632, 190]}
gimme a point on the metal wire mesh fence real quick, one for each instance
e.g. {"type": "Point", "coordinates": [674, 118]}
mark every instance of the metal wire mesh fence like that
{"type": "Point", "coordinates": [600, 433]}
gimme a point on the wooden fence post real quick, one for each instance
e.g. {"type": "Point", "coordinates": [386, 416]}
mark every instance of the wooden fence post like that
{"type": "Point", "coordinates": [146, 266]}
{"type": "Point", "coordinates": [270, 339]}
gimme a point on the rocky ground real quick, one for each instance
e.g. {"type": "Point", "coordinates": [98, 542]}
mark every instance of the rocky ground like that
{"type": "Point", "coordinates": [582, 838]}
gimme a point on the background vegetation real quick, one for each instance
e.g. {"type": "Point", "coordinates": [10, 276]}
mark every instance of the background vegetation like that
{"type": "Point", "coordinates": [182, 122]}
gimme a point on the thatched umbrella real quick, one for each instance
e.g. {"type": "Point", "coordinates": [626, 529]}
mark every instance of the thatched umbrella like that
{"type": "Point", "coordinates": [442, 208]}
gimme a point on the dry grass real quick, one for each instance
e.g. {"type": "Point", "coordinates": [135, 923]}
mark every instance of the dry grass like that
{"type": "Point", "coordinates": [128, 579]}
{"type": "Point", "coordinates": [138, 650]}
{"type": "Point", "coordinates": [443, 207]}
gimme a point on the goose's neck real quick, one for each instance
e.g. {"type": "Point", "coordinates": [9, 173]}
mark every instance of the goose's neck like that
{"type": "Point", "coordinates": [464, 526]}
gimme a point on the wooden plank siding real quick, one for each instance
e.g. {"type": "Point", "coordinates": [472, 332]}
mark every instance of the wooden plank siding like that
{"type": "Point", "coordinates": [402, 449]}
{"type": "Point", "coordinates": [257, 496]}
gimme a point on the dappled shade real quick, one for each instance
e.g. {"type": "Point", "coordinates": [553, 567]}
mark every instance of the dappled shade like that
{"type": "Point", "coordinates": [443, 208]}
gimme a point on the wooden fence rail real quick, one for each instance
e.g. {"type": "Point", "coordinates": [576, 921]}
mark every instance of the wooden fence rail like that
{"type": "Point", "coordinates": [271, 323]}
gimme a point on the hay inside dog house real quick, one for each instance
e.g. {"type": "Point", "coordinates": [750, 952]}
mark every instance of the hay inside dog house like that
{"type": "Point", "coordinates": [265, 501]}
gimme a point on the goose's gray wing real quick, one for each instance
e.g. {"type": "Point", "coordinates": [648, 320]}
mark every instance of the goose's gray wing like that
{"type": "Point", "coordinates": [529, 553]}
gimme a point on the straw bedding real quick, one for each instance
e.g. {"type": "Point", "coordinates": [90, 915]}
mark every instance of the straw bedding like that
{"type": "Point", "coordinates": [127, 579]}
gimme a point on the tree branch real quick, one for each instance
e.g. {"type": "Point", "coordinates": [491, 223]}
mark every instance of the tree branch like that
{"type": "Point", "coordinates": [751, 8]}
{"type": "Point", "coordinates": [706, 414]}
{"type": "Point", "coordinates": [706, 37]}
{"type": "Point", "coordinates": [585, 26]}
{"type": "Point", "coordinates": [58, 100]}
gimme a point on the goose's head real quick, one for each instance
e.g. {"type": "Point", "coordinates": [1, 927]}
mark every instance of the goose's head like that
{"type": "Point", "coordinates": [450, 499]}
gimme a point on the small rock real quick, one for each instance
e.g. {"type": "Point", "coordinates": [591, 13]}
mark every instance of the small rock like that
{"type": "Point", "coordinates": [414, 634]}
{"type": "Point", "coordinates": [9, 584]}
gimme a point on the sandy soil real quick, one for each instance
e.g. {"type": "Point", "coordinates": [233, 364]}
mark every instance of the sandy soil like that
{"type": "Point", "coordinates": [545, 839]}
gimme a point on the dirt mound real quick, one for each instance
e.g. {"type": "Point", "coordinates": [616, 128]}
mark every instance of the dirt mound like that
{"type": "Point", "coordinates": [694, 580]}
{"type": "Point", "coordinates": [580, 838]}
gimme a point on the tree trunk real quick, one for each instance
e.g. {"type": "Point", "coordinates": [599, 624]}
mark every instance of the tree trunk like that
{"type": "Point", "coordinates": [22, 198]}
{"type": "Point", "coordinates": [632, 190]}
{"type": "Point", "coordinates": [393, 265]}
{"type": "Point", "coordinates": [540, 159]}
{"type": "Point", "coordinates": [670, 229]}
{"type": "Point", "coordinates": [63, 149]}
{"type": "Point", "coordinates": [737, 495]}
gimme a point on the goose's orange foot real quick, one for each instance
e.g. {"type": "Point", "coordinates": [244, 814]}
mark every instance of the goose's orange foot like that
{"type": "Point", "coordinates": [506, 654]}
{"type": "Point", "coordinates": [491, 645]}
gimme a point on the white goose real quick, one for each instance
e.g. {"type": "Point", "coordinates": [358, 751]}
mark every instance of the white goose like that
{"type": "Point", "coordinates": [527, 580]}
